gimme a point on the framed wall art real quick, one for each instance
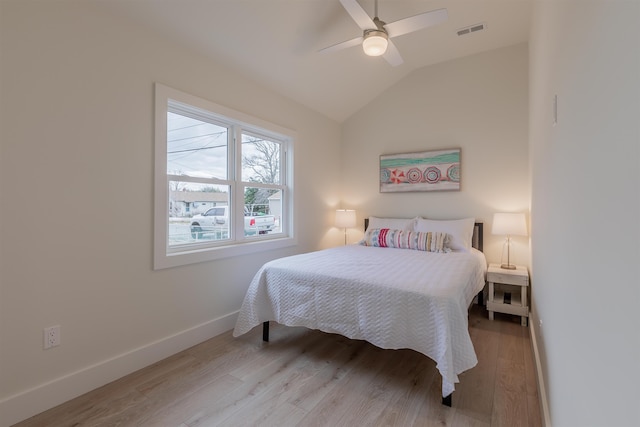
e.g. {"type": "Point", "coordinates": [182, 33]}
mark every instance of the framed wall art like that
{"type": "Point", "coordinates": [437, 170]}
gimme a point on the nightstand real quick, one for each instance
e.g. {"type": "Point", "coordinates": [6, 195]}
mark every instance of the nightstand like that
{"type": "Point", "coordinates": [508, 291]}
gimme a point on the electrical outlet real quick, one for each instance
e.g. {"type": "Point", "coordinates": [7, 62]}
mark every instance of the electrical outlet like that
{"type": "Point", "coordinates": [51, 336]}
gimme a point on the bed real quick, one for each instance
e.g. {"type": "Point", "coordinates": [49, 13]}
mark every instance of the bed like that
{"type": "Point", "coordinates": [391, 297]}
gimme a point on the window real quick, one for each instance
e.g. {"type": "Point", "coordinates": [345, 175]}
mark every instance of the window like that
{"type": "Point", "coordinates": [223, 182]}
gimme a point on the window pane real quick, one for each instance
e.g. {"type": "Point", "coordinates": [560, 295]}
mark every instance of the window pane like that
{"type": "Point", "coordinates": [260, 160]}
{"type": "Point", "coordinates": [196, 148]}
{"type": "Point", "coordinates": [197, 212]}
{"type": "Point", "coordinates": [263, 210]}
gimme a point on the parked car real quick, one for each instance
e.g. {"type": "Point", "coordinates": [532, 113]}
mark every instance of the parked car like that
{"type": "Point", "coordinates": [216, 221]}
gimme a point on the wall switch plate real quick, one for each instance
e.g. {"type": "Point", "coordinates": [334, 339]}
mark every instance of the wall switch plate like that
{"type": "Point", "coordinates": [51, 337]}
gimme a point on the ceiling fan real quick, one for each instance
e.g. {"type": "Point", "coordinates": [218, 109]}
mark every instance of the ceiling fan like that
{"type": "Point", "coordinates": [376, 35]}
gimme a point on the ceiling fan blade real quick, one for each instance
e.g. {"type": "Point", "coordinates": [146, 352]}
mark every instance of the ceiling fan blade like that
{"type": "Point", "coordinates": [392, 55]}
{"type": "Point", "coordinates": [417, 22]}
{"type": "Point", "coordinates": [358, 14]}
{"type": "Point", "coordinates": [349, 43]}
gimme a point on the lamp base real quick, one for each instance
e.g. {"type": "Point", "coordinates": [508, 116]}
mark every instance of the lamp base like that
{"type": "Point", "coordinates": [508, 266]}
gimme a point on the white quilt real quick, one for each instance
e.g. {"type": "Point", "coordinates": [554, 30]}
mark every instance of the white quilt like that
{"type": "Point", "coordinates": [392, 298]}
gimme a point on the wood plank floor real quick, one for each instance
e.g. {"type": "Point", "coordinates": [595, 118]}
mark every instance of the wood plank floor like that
{"type": "Point", "coordinates": [310, 378]}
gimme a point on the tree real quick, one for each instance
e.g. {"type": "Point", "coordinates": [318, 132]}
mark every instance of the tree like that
{"type": "Point", "coordinates": [211, 190]}
{"type": "Point", "coordinates": [177, 186]}
{"type": "Point", "coordinates": [263, 165]}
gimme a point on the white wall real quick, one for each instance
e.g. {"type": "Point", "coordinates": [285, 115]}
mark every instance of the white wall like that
{"type": "Point", "coordinates": [478, 103]}
{"type": "Point", "coordinates": [586, 209]}
{"type": "Point", "coordinates": [76, 188]}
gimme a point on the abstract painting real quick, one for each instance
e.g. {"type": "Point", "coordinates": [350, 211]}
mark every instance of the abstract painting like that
{"type": "Point", "coordinates": [437, 170]}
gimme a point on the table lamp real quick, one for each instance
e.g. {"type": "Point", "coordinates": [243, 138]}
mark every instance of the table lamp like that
{"type": "Point", "coordinates": [345, 218]}
{"type": "Point", "coordinates": [509, 224]}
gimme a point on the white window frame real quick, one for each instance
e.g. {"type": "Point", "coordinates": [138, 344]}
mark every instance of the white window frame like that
{"type": "Point", "coordinates": [166, 257]}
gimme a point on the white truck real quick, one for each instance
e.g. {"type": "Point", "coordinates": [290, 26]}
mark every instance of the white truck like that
{"type": "Point", "coordinates": [216, 221]}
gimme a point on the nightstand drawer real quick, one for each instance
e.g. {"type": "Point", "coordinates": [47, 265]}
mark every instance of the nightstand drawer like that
{"type": "Point", "coordinates": [509, 279]}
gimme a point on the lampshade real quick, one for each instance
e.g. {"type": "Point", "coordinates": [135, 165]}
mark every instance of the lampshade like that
{"type": "Point", "coordinates": [375, 43]}
{"type": "Point", "coordinates": [345, 218]}
{"type": "Point", "coordinates": [509, 224]}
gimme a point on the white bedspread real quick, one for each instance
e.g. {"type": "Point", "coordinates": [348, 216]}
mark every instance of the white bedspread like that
{"type": "Point", "coordinates": [392, 298]}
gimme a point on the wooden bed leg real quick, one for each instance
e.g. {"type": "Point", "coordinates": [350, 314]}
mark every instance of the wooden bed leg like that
{"type": "Point", "coordinates": [265, 333]}
{"type": "Point", "coordinates": [446, 401]}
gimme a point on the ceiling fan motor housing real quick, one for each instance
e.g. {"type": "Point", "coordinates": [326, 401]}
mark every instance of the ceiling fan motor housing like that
{"type": "Point", "coordinates": [375, 42]}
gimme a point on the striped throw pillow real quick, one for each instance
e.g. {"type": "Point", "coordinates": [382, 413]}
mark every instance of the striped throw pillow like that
{"type": "Point", "coordinates": [403, 239]}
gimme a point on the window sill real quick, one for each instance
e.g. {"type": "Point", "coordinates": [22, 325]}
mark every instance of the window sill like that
{"type": "Point", "coordinates": [191, 256]}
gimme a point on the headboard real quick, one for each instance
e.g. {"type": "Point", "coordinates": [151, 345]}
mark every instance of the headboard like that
{"type": "Point", "coordinates": [476, 240]}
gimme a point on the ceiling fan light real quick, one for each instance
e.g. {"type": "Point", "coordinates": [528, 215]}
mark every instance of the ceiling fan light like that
{"type": "Point", "coordinates": [375, 43]}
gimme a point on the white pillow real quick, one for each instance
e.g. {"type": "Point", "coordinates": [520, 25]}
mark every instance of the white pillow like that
{"type": "Point", "coordinates": [460, 231]}
{"type": "Point", "coordinates": [392, 223]}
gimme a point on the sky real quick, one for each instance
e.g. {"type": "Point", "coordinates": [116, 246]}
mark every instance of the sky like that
{"type": "Point", "coordinates": [199, 149]}
{"type": "Point", "coordinates": [196, 148]}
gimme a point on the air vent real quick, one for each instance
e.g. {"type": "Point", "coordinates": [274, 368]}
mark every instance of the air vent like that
{"type": "Point", "coordinates": [471, 29]}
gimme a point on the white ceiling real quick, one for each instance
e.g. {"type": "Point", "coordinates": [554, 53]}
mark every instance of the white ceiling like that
{"type": "Point", "coordinates": [276, 42]}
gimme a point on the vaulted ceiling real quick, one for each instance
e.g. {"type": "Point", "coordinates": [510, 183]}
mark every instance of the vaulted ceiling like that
{"type": "Point", "coordinates": [276, 42]}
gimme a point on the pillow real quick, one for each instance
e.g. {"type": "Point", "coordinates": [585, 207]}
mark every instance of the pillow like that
{"type": "Point", "coordinates": [392, 223]}
{"type": "Point", "coordinates": [460, 231]}
{"type": "Point", "coordinates": [403, 239]}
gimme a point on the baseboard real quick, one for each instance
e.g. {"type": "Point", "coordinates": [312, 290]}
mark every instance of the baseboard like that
{"type": "Point", "coordinates": [45, 396]}
{"type": "Point", "coordinates": [542, 391]}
